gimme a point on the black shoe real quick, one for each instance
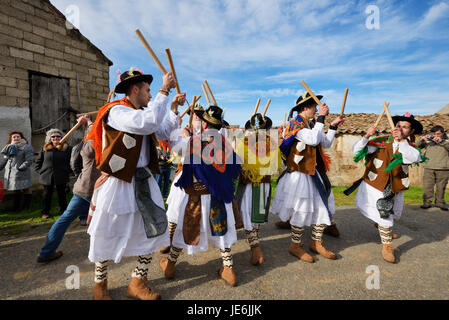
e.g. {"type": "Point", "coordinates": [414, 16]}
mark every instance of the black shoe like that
{"type": "Point", "coordinates": [56, 255]}
{"type": "Point", "coordinates": [425, 206]}
{"type": "Point", "coordinates": [443, 208]}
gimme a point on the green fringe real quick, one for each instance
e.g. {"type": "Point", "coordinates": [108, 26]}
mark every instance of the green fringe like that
{"type": "Point", "coordinates": [361, 154]}
{"type": "Point", "coordinates": [397, 161]}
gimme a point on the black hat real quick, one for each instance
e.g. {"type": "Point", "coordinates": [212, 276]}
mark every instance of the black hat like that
{"type": "Point", "coordinates": [213, 116]}
{"type": "Point", "coordinates": [303, 101]}
{"type": "Point", "coordinates": [258, 122]}
{"type": "Point", "coordinates": [198, 109]}
{"type": "Point", "coordinates": [415, 124]}
{"type": "Point", "coordinates": [131, 77]}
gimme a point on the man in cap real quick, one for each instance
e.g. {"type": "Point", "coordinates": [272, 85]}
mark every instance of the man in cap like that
{"type": "Point", "coordinates": [127, 215]}
{"type": "Point", "coordinates": [203, 203]}
{"type": "Point", "coordinates": [380, 193]}
{"type": "Point", "coordinates": [303, 194]}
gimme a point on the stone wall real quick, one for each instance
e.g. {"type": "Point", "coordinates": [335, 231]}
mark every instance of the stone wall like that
{"type": "Point", "coordinates": [34, 38]}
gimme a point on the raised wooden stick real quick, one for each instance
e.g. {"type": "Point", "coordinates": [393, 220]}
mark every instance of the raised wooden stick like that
{"type": "Point", "coordinates": [344, 102]}
{"type": "Point", "coordinates": [72, 131]}
{"type": "Point", "coordinates": [188, 108]}
{"type": "Point", "coordinates": [191, 111]}
{"type": "Point", "coordinates": [387, 112]}
{"type": "Point", "coordinates": [311, 93]}
{"type": "Point", "coordinates": [257, 106]}
{"type": "Point", "coordinates": [172, 68]}
{"type": "Point", "coordinates": [86, 114]}
{"type": "Point", "coordinates": [205, 93]}
{"type": "Point", "coordinates": [210, 93]}
{"type": "Point", "coordinates": [285, 116]}
{"type": "Point", "coordinates": [380, 117]}
{"type": "Point", "coordinates": [155, 58]}
{"type": "Point", "coordinates": [266, 108]}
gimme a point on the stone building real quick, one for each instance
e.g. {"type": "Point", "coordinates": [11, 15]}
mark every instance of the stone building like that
{"type": "Point", "coordinates": [48, 71]}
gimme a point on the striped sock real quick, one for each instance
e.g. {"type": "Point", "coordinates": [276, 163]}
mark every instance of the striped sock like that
{"type": "Point", "coordinates": [386, 234]}
{"type": "Point", "coordinates": [317, 232]}
{"type": "Point", "coordinates": [253, 237]}
{"type": "Point", "coordinates": [297, 233]}
{"type": "Point", "coordinates": [171, 230]}
{"type": "Point", "coordinates": [141, 269]}
{"type": "Point", "coordinates": [226, 256]}
{"type": "Point", "coordinates": [174, 254]}
{"type": "Point", "coordinates": [101, 271]}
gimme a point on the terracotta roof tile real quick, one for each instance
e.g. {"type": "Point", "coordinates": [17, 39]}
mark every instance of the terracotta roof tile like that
{"type": "Point", "coordinates": [357, 123]}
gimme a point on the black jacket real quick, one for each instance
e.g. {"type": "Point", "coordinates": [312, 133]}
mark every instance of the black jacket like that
{"type": "Point", "coordinates": [54, 164]}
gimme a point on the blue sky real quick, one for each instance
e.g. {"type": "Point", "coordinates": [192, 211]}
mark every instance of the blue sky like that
{"type": "Point", "coordinates": [262, 49]}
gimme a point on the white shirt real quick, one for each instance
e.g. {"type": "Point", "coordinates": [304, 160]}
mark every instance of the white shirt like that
{"type": "Point", "coordinates": [409, 154]}
{"type": "Point", "coordinates": [145, 122]}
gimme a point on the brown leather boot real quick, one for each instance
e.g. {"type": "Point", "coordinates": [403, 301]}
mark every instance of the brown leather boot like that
{"type": "Point", "coordinates": [297, 250]}
{"type": "Point", "coordinates": [256, 255]}
{"type": "Point", "coordinates": [388, 253]}
{"type": "Point", "coordinates": [228, 275]}
{"type": "Point", "coordinates": [100, 291]}
{"type": "Point", "coordinates": [283, 225]}
{"type": "Point", "coordinates": [332, 231]}
{"type": "Point", "coordinates": [138, 289]}
{"type": "Point", "coordinates": [168, 267]}
{"type": "Point", "coordinates": [317, 246]}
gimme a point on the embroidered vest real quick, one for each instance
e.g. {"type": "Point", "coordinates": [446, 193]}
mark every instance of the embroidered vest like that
{"type": "Point", "coordinates": [376, 176]}
{"type": "Point", "coordinates": [121, 152]}
{"type": "Point", "coordinates": [305, 158]}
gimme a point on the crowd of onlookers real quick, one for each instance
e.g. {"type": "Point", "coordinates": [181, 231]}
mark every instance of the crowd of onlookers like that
{"type": "Point", "coordinates": [56, 162]}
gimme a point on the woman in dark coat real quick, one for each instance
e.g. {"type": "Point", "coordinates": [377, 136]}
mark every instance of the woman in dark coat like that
{"type": "Point", "coordinates": [53, 166]}
{"type": "Point", "coordinates": [16, 158]}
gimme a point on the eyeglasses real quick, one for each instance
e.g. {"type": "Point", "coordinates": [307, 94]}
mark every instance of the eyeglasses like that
{"type": "Point", "coordinates": [55, 137]}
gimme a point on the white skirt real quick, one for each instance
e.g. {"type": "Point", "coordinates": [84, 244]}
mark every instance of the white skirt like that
{"type": "Point", "coordinates": [175, 193]}
{"type": "Point", "coordinates": [366, 200]}
{"type": "Point", "coordinates": [222, 242]}
{"type": "Point", "coordinates": [246, 206]}
{"type": "Point", "coordinates": [297, 199]}
{"type": "Point", "coordinates": [117, 229]}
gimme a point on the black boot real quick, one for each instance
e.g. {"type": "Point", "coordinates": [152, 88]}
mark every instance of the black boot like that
{"type": "Point", "coordinates": [27, 201]}
{"type": "Point", "coordinates": [17, 201]}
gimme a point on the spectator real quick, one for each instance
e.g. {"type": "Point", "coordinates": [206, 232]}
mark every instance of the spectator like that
{"type": "Point", "coordinates": [165, 164]}
{"type": "Point", "coordinates": [53, 166]}
{"type": "Point", "coordinates": [79, 204]}
{"type": "Point", "coordinates": [436, 170]}
{"type": "Point", "coordinates": [16, 158]}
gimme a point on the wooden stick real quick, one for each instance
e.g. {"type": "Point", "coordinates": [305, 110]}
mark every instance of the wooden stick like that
{"type": "Point", "coordinates": [257, 106]}
{"type": "Point", "coordinates": [285, 116]}
{"type": "Point", "coordinates": [380, 117]}
{"type": "Point", "coordinates": [72, 131]}
{"type": "Point", "coordinates": [205, 93]}
{"type": "Point", "coordinates": [172, 68]}
{"type": "Point", "coordinates": [155, 58]}
{"type": "Point", "coordinates": [191, 111]}
{"type": "Point", "coordinates": [387, 112]}
{"type": "Point", "coordinates": [210, 93]}
{"type": "Point", "coordinates": [344, 102]}
{"type": "Point", "coordinates": [187, 109]}
{"type": "Point", "coordinates": [266, 108]}
{"type": "Point", "coordinates": [311, 93]}
{"type": "Point", "coordinates": [86, 114]}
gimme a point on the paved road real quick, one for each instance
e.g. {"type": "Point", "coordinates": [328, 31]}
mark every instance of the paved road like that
{"type": "Point", "coordinates": [422, 273]}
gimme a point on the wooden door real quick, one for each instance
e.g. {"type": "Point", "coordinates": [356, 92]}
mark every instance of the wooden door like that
{"type": "Point", "coordinates": [50, 98]}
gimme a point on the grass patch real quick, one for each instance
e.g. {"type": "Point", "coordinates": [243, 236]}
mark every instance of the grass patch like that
{"type": "Point", "coordinates": [13, 223]}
